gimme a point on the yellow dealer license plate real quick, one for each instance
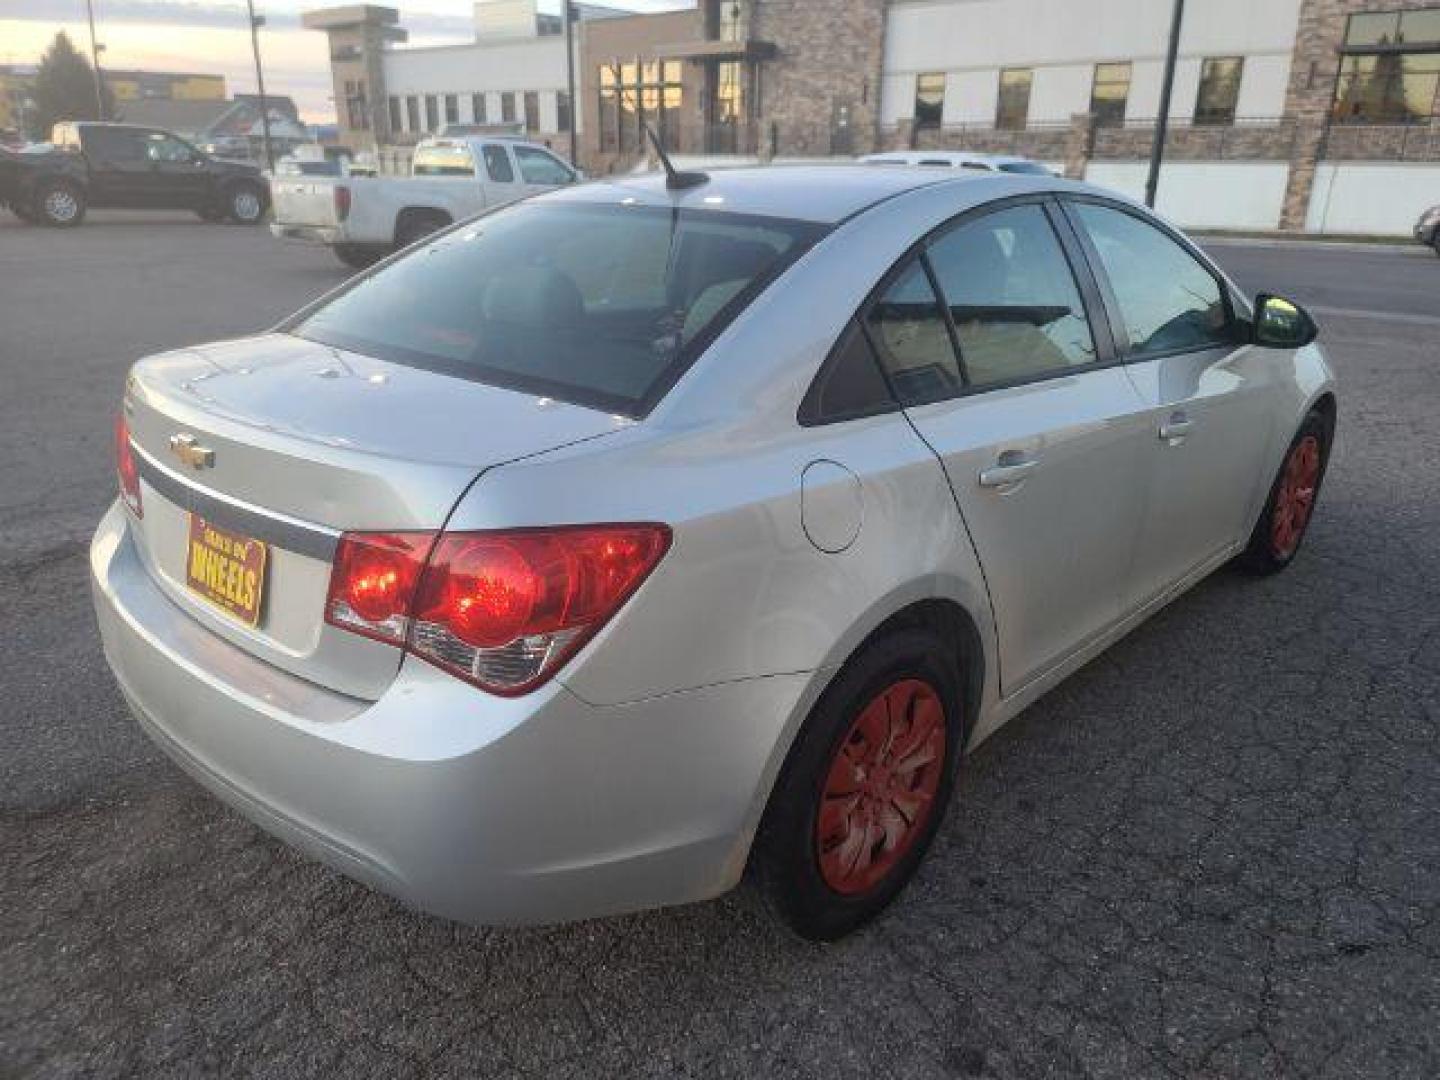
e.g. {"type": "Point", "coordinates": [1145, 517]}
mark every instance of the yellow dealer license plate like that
{"type": "Point", "coordinates": [226, 568]}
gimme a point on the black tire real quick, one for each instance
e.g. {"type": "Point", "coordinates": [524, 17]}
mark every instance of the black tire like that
{"type": "Point", "coordinates": [789, 849]}
{"type": "Point", "coordinates": [245, 204]}
{"type": "Point", "coordinates": [1275, 539]}
{"type": "Point", "coordinates": [59, 203]}
{"type": "Point", "coordinates": [358, 256]}
{"type": "Point", "coordinates": [416, 225]}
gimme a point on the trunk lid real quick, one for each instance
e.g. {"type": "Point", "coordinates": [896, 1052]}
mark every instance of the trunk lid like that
{"type": "Point", "coordinates": [290, 443]}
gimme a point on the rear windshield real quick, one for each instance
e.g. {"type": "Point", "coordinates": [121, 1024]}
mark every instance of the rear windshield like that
{"type": "Point", "coordinates": [600, 305]}
{"type": "Point", "coordinates": [443, 161]}
{"type": "Point", "coordinates": [1029, 168]}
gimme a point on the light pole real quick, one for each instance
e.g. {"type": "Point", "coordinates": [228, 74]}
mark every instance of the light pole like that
{"type": "Point", "coordinates": [95, 51]}
{"type": "Point", "coordinates": [1162, 122]}
{"type": "Point", "coordinates": [257, 21]}
{"type": "Point", "coordinates": [569, 15]}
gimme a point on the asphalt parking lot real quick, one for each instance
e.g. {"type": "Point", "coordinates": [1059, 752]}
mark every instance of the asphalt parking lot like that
{"type": "Point", "coordinates": [1213, 852]}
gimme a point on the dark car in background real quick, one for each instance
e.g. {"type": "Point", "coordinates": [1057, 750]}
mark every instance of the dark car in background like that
{"type": "Point", "coordinates": [125, 166]}
{"type": "Point", "coordinates": [1427, 229]}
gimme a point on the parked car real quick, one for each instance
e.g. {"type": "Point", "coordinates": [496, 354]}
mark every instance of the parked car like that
{"type": "Point", "coordinates": [954, 159]}
{"type": "Point", "coordinates": [1427, 229]}
{"type": "Point", "coordinates": [11, 139]}
{"type": "Point", "coordinates": [597, 548]}
{"type": "Point", "coordinates": [364, 218]}
{"type": "Point", "coordinates": [109, 166]}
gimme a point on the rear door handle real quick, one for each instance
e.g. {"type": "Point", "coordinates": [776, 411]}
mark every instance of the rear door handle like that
{"type": "Point", "coordinates": [1009, 469]}
{"type": "Point", "coordinates": [1176, 428]}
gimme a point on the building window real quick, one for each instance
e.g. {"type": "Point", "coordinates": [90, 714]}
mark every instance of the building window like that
{"type": "Point", "coordinates": [507, 108]}
{"type": "Point", "coordinates": [477, 108]}
{"type": "Point", "coordinates": [395, 124]}
{"type": "Point", "coordinates": [1219, 90]}
{"type": "Point", "coordinates": [452, 109]}
{"type": "Point", "coordinates": [1390, 67]}
{"type": "Point", "coordinates": [929, 99]}
{"type": "Point", "coordinates": [532, 111]}
{"type": "Point", "coordinates": [357, 114]}
{"type": "Point", "coordinates": [631, 93]}
{"type": "Point", "coordinates": [562, 110]}
{"type": "Point", "coordinates": [432, 113]}
{"type": "Point", "coordinates": [726, 21]}
{"type": "Point", "coordinates": [412, 113]}
{"type": "Point", "coordinates": [1013, 106]}
{"type": "Point", "coordinates": [1110, 92]}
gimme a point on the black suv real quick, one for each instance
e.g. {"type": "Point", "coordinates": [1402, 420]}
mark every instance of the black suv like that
{"type": "Point", "coordinates": [126, 166]}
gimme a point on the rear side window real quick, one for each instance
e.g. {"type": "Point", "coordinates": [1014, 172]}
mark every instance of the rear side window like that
{"type": "Point", "coordinates": [497, 164]}
{"type": "Point", "coordinates": [443, 161]}
{"type": "Point", "coordinates": [910, 335]}
{"type": "Point", "coordinates": [1168, 301]}
{"type": "Point", "coordinates": [602, 305]}
{"type": "Point", "coordinates": [538, 167]}
{"type": "Point", "coordinates": [114, 144]}
{"type": "Point", "coordinates": [1013, 300]}
{"type": "Point", "coordinates": [850, 383]}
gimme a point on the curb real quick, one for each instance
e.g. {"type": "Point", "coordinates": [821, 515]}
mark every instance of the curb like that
{"type": "Point", "coordinates": [1387, 246]}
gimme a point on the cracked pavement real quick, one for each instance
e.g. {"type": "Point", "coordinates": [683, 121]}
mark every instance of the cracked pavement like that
{"type": "Point", "coordinates": [1215, 851]}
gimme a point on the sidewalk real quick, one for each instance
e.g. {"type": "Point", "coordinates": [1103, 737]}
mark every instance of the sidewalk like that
{"type": "Point", "coordinates": [1396, 245]}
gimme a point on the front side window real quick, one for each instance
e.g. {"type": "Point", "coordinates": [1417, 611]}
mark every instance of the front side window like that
{"type": "Point", "coordinates": [1012, 298]}
{"type": "Point", "coordinates": [166, 148]}
{"type": "Point", "coordinates": [497, 164]}
{"type": "Point", "coordinates": [538, 167]}
{"type": "Point", "coordinates": [596, 304]}
{"type": "Point", "coordinates": [1013, 108]}
{"type": "Point", "coordinates": [929, 99]}
{"type": "Point", "coordinates": [1109, 93]}
{"type": "Point", "coordinates": [1168, 300]}
{"type": "Point", "coordinates": [913, 342]}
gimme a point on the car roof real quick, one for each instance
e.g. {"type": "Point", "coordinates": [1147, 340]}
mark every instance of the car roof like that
{"type": "Point", "coordinates": [820, 193]}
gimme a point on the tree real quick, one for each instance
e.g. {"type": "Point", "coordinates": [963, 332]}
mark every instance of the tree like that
{"type": "Point", "coordinates": [64, 88]}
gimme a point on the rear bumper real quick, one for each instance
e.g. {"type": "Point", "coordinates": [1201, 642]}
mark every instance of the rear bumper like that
{"type": "Point", "coordinates": [482, 809]}
{"type": "Point", "coordinates": [308, 234]}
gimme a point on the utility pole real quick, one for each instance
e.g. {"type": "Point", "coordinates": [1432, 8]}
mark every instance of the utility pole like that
{"type": "Point", "coordinates": [1162, 122]}
{"type": "Point", "coordinates": [95, 63]}
{"type": "Point", "coordinates": [257, 21]}
{"type": "Point", "coordinates": [569, 16]}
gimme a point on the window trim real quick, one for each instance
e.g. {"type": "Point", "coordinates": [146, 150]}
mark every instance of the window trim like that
{"type": "Point", "coordinates": [1091, 298]}
{"type": "Point", "coordinates": [1113, 314]}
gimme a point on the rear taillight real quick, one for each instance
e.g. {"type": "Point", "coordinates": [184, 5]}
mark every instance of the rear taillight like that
{"type": "Point", "coordinates": [126, 471]}
{"type": "Point", "coordinates": [342, 202]}
{"type": "Point", "coordinates": [502, 610]}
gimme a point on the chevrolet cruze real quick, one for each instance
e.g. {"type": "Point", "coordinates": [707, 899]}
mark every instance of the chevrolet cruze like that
{"type": "Point", "coordinates": [599, 548]}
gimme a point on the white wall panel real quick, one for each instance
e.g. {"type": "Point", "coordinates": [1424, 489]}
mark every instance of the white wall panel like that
{"type": "Point", "coordinates": [1205, 195]}
{"type": "Point", "coordinates": [1384, 199]}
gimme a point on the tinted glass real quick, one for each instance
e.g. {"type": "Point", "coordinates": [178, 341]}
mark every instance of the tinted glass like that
{"type": "Point", "coordinates": [1168, 301]}
{"type": "Point", "coordinates": [1013, 299]}
{"type": "Point", "coordinates": [114, 144]}
{"type": "Point", "coordinates": [167, 148]}
{"type": "Point", "coordinates": [909, 332]}
{"type": "Point", "coordinates": [1028, 168]}
{"type": "Point", "coordinates": [592, 304]}
{"type": "Point", "coordinates": [538, 167]}
{"type": "Point", "coordinates": [497, 164]}
{"type": "Point", "coordinates": [1012, 108]}
{"type": "Point", "coordinates": [443, 161]}
{"type": "Point", "coordinates": [850, 383]}
{"type": "Point", "coordinates": [1219, 90]}
{"type": "Point", "coordinates": [929, 99]}
{"type": "Point", "coordinates": [1110, 92]}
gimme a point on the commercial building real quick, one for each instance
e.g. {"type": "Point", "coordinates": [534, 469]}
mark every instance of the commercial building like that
{"type": "Point", "coordinates": [164, 86]}
{"type": "Point", "coordinates": [1317, 114]}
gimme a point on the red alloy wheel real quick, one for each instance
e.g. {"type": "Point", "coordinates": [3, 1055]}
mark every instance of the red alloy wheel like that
{"type": "Point", "coordinates": [881, 786]}
{"type": "Point", "coordinates": [1295, 498]}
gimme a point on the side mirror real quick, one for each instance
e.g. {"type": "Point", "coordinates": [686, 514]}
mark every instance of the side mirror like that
{"type": "Point", "coordinates": [1282, 324]}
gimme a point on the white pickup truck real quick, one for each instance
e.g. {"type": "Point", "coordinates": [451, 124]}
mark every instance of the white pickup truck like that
{"type": "Point", "coordinates": [364, 218]}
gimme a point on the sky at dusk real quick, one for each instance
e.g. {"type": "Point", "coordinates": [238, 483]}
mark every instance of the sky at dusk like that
{"type": "Point", "coordinates": [211, 36]}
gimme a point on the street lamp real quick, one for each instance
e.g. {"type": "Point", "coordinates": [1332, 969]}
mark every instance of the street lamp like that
{"type": "Point", "coordinates": [257, 21]}
{"type": "Point", "coordinates": [1162, 122]}
{"type": "Point", "coordinates": [95, 51]}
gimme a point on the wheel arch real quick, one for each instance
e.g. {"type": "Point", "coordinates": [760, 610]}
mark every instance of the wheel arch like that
{"type": "Point", "coordinates": [412, 213]}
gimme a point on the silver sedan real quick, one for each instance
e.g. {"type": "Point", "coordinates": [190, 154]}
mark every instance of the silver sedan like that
{"type": "Point", "coordinates": [598, 549]}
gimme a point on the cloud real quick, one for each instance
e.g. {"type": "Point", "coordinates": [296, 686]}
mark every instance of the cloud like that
{"type": "Point", "coordinates": [217, 15]}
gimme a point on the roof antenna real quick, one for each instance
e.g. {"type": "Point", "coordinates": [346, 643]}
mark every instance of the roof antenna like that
{"type": "Point", "coordinates": [675, 180]}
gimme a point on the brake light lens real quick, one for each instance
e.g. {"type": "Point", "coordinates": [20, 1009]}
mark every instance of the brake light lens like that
{"type": "Point", "coordinates": [342, 202]}
{"type": "Point", "coordinates": [373, 583]}
{"type": "Point", "coordinates": [127, 472]}
{"type": "Point", "coordinates": [501, 610]}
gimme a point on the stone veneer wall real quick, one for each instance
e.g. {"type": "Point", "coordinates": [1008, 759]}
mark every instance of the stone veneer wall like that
{"type": "Point", "coordinates": [827, 53]}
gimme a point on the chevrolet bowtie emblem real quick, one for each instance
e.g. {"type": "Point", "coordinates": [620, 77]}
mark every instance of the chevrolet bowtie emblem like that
{"type": "Point", "coordinates": [191, 452]}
